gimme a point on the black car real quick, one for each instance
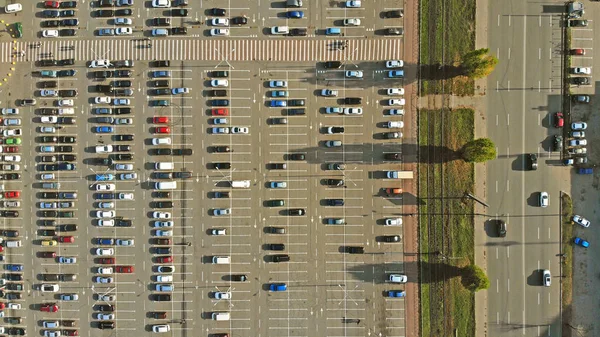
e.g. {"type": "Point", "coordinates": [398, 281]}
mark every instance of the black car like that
{"type": "Point", "coordinates": [47, 63]}
{"type": "Point", "coordinates": [161, 22]}
{"type": "Point", "coordinates": [66, 157]}
{"type": "Point", "coordinates": [48, 84]}
{"type": "Point", "coordinates": [217, 93]}
{"type": "Point", "coordinates": [163, 195]}
{"type": "Point", "coordinates": [394, 31]}
{"type": "Point", "coordinates": [393, 14]}
{"type": "Point", "coordinates": [160, 241]}
{"type": "Point", "coordinates": [122, 156]}
{"type": "Point", "coordinates": [352, 100]}
{"type": "Point", "coordinates": [47, 223]}
{"type": "Point", "coordinates": [51, 23]}
{"type": "Point", "coordinates": [120, 222]}
{"type": "Point", "coordinates": [179, 31]}
{"type": "Point", "coordinates": [160, 83]}
{"type": "Point", "coordinates": [296, 211]}
{"type": "Point", "coordinates": [124, 12]}
{"type": "Point", "coordinates": [219, 102]}
{"type": "Point", "coordinates": [179, 3]}
{"type": "Point", "coordinates": [161, 91]}
{"type": "Point", "coordinates": [47, 232]}
{"type": "Point", "coordinates": [280, 258]}
{"type": "Point", "coordinates": [390, 238]}
{"type": "Point", "coordinates": [580, 80]}
{"type": "Point", "coordinates": [66, 73]}
{"type": "Point", "coordinates": [578, 23]}
{"type": "Point", "coordinates": [122, 148]}
{"type": "Point", "coordinates": [221, 149]}
{"type": "Point", "coordinates": [219, 73]}
{"type": "Point", "coordinates": [298, 32]}
{"type": "Point", "coordinates": [332, 64]}
{"type": "Point", "coordinates": [217, 12]}
{"type": "Point", "coordinates": [533, 161]}
{"type": "Point", "coordinates": [104, 196]}
{"type": "Point", "coordinates": [239, 20]}
{"type": "Point", "coordinates": [66, 139]}
{"type": "Point", "coordinates": [334, 182]}
{"type": "Point", "coordinates": [296, 102]}
{"type": "Point", "coordinates": [104, 13]}
{"type": "Point", "coordinates": [160, 63]}
{"type": "Point", "coordinates": [15, 286]}
{"type": "Point", "coordinates": [355, 249]}
{"type": "Point", "coordinates": [68, 4]}
{"type": "Point", "coordinates": [10, 176]}
{"type": "Point", "coordinates": [67, 13]}
{"type": "Point", "coordinates": [295, 112]}
{"type": "Point", "coordinates": [48, 159]}
{"type": "Point", "coordinates": [66, 62]}
{"type": "Point", "coordinates": [221, 166]}
{"type": "Point", "coordinates": [64, 148]}
{"type": "Point", "coordinates": [69, 23]}
{"type": "Point", "coordinates": [122, 111]}
{"type": "Point", "coordinates": [122, 83]}
{"type": "Point", "coordinates": [161, 152]}
{"type": "Point", "coordinates": [10, 233]}
{"type": "Point", "coordinates": [335, 202]}
{"type": "Point", "coordinates": [162, 250]}
{"type": "Point", "coordinates": [182, 175]}
{"type": "Point", "coordinates": [105, 307]}
{"type": "Point", "coordinates": [48, 214]}
{"type": "Point", "coordinates": [67, 228]}
{"type": "Point", "coordinates": [16, 331]}
{"type": "Point", "coordinates": [66, 120]}
{"type": "Point", "coordinates": [276, 246]}
{"type": "Point", "coordinates": [67, 32]}
{"type": "Point", "coordinates": [104, 325]}
{"type": "Point", "coordinates": [9, 214]}
{"type": "Point", "coordinates": [162, 204]}
{"type": "Point", "coordinates": [296, 156]}
{"type": "Point", "coordinates": [183, 152]}
{"type": "Point", "coordinates": [122, 73]}
{"type": "Point", "coordinates": [67, 93]}
{"type": "Point", "coordinates": [392, 156]}
{"type": "Point", "coordinates": [48, 139]}
{"type": "Point", "coordinates": [277, 166]}
{"type": "Point", "coordinates": [162, 175]}
{"type": "Point", "coordinates": [124, 138]}
{"type": "Point", "coordinates": [50, 13]}
{"type": "Point", "coordinates": [239, 278]}
{"type": "Point", "coordinates": [13, 277]}
{"type": "Point", "coordinates": [49, 195]}
{"type": "Point", "coordinates": [103, 88]}
{"type": "Point", "coordinates": [161, 297]}
{"type": "Point", "coordinates": [106, 3]}
{"type": "Point", "coordinates": [220, 194]}
{"type": "Point", "coordinates": [179, 12]}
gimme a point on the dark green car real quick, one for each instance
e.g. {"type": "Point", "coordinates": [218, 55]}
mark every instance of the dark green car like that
{"type": "Point", "coordinates": [275, 203]}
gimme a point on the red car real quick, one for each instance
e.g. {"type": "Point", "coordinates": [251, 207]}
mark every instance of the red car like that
{"type": "Point", "coordinates": [559, 121]}
{"type": "Point", "coordinates": [51, 4]}
{"type": "Point", "coordinates": [12, 194]}
{"type": "Point", "coordinates": [106, 260]}
{"type": "Point", "coordinates": [164, 259]}
{"type": "Point", "coordinates": [71, 332]}
{"type": "Point", "coordinates": [2, 305]}
{"type": "Point", "coordinates": [49, 307]}
{"type": "Point", "coordinates": [124, 269]}
{"type": "Point", "coordinates": [11, 149]}
{"type": "Point", "coordinates": [162, 129]}
{"type": "Point", "coordinates": [160, 120]}
{"type": "Point", "coordinates": [220, 112]}
{"type": "Point", "coordinates": [49, 255]}
{"type": "Point", "coordinates": [66, 239]}
{"type": "Point", "coordinates": [578, 51]}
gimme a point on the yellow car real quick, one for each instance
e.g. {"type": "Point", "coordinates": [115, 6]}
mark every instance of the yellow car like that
{"type": "Point", "coordinates": [49, 243]}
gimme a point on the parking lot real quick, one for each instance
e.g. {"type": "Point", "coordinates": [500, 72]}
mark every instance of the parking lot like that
{"type": "Point", "coordinates": [143, 256]}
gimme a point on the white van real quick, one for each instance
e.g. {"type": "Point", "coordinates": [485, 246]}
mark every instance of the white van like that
{"type": "Point", "coordinates": [13, 8]}
{"type": "Point", "coordinates": [165, 185]}
{"type": "Point", "coordinates": [164, 166]}
{"type": "Point", "coordinates": [13, 243]}
{"type": "Point", "coordinates": [220, 316]}
{"type": "Point", "coordinates": [240, 184]}
{"type": "Point", "coordinates": [221, 259]}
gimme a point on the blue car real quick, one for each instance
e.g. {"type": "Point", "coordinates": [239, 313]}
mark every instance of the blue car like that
{"type": "Point", "coordinates": [395, 293]}
{"type": "Point", "coordinates": [295, 15]}
{"type": "Point", "coordinates": [581, 242]}
{"type": "Point", "coordinates": [104, 129]}
{"type": "Point", "coordinates": [278, 103]}
{"type": "Point", "coordinates": [14, 267]}
{"type": "Point", "coordinates": [278, 287]}
{"type": "Point", "coordinates": [396, 73]}
{"type": "Point", "coordinates": [106, 241]}
{"type": "Point", "coordinates": [160, 73]}
{"type": "Point", "coordinates": [105, 177]}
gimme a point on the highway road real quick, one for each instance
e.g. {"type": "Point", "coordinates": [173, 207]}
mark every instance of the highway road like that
{"type": "Point", "coordinates": [523, 93]}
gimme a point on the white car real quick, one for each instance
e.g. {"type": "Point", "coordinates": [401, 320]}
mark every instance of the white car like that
{"type": "Point", "coordinates": [14, 306]}
{"type": "Point", "coordinates": [278, 84]}
{"type": "Point", "coordinates": [123, 21]}
{"type": "Point", "coordinates": [11, 132]}
{"type": "Point", "coordinates": [353, 111]}
{"type": "Point", "coordinates": [354, 74]}
{"type": "Point", "coordinates": [102, 100]}
{"type": "Point", "coordinates": [104, 148]}
{"type": "Point", "coordinates": [219, 83]}
{"type": "Point", "coordinates": [47, 129]}
{"type": "Point", "coordinates": [107, 298]}
{"type": "Point", "coordinates": [223, 295]}
{"type": "Point", "coordinates": [280, 30]}
{"type": "Point", "coordinates": [164, 278]}
{"type": "Point", "coordinates": [163, 233]}
{"type": "Point", "coordinates": [396, 112]}
{"type": "Point", "coordinates": [49, 119]}
{"type": "Point", "coordinates": [10, 111]}
{"type": "Point", "coordinates": [398, 278]}
{"type": "Point", "coordinates": [394, 64]}
{"type": "Point", "coordinates": [52, 333]}
{"type": "Point", "coordinates": [158, 224]}
{"type": "Point", "coordinates": [106, 223]}
{"type": "Point", "coordinates": [547, 278]}
{"type": "Point", "coordinates": [65, 102]}
{"type": "Point", "coordinates": [582, 71]}
{"type": "Point", "coordinates": [105, 270]}
{"type": "Point", "coordinates": [105, 251]}
{"type": "Point", "coordinates": [106, 204]}
{"type": "Point", "coordinates": [124, 121]}
{"type": "Point", "coordinates": [50, 33]}
{"type": "Point", "coordinates": [123, 167]}
{"type": "Point", "coordinates": [105, 187]}
{"type": "Point", "coordinates": [49, 288]}
{"type": "Point", "coordinates": [161, 215]}
{"type": "Point", "coordinates": [124, 31]}
{"type": "Point", "coordinates": [100, 279]}
{"type": "Point", "coordinates": [578, 142]}
{"type": "Point", "coordinates": [105, 214]}
{"type": "Point", "coordinates": [223, 22]}
{"type": "Point", "coordinates": [353, 4]}
{"type": "Point", "coordinates": [12, 158]}
{"type": "Point", "coordinates": [161, 141]}
{"type": "Point", "coordinates": [121, 101]}
{"type": "Point", "coordinates": [239, 129]}
{"type": "Point", "coordinates": [393, 221]}
{"type": "Point", "coordinates": [67, 259]}
{"type": "Point", "coordinates": [105, 317]}
{"type": "Point", "coordinates": [125, 196]}
{"type": "Point", "coordinates": [48, 93]}
{"type": "Point", "coordinates": [578, 219]}
{"type": "Point", "coordinates": [395, 91]}
{"type": "Point", "coordinates": [100, 64]}
{"type": "Point", "coordinates": [352, 22]}
{"type": "Point", "coordinates": [579, 126]}
{"type": "Point", "coordinates": [396, 102]}
{"type": "Point", "coordinates": [161, 3]}
{"type": "Point", "coordinates": [578, 134]}
{"type": "Point", "coordinates": [48, 176]}
{"type": "Point", "coordinates": [544, 199]}
{"type": "Point", "coordinates": [180, 91]}
{"type": "Point", "coordinates": [218, 231]}
{"type": "Point", "coordinates": [125, 242]}
{"type": "Point", "coordinates": [219, 32]}
{"type": "Point", "coordinates": [161, 328]}
{"type": "Point", "coordinates": [329, 93]}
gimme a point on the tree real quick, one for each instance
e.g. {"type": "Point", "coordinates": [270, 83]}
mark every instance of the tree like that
{"type": "Point", "coordinates": [479, 150]}
{"type": "Point", "coordinates": [474, 279]}
{"type": "Point", "coordinates": [478, 64]}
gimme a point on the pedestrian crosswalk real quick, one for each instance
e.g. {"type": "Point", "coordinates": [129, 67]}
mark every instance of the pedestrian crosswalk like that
{"type": "Point", "coordinates": [284, 50]}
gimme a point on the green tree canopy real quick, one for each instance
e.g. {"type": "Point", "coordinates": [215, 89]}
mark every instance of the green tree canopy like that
{"type": "Point", "coordinates": [479, 150]}
{"type": "Point", "coordinates": [474, 279]}
{"type": "Point", "coordinates": [478, 64]}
